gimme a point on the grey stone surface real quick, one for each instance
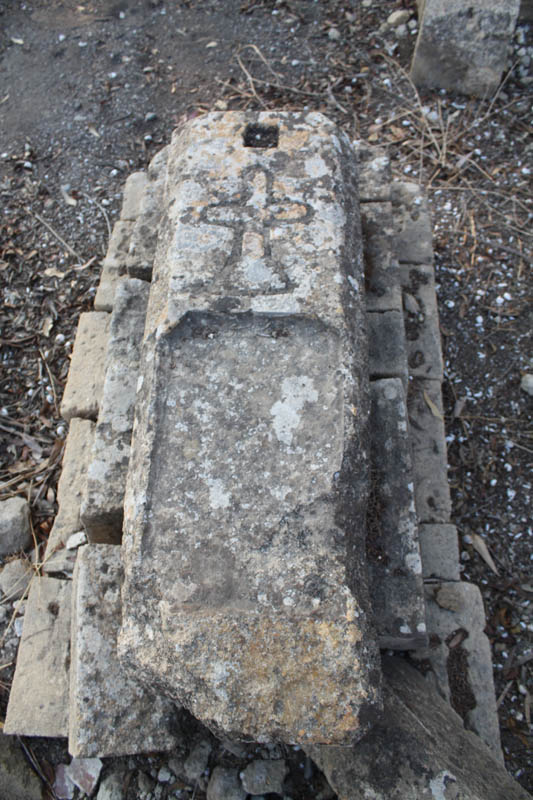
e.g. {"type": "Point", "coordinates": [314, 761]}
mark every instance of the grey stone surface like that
{"type": "Point", "coordinates": [112, 786]}
{"type": "Point", "coordinates": [264, 776]}
{"type": "Point", "coordinates": [133, 196]}
{"type": "Point", "coordinates": [105, 293]}
{"type": "Point", "coordinates": [421, 316]}
{"type": "Point", "coordinates": [460, 657]}
{"type": "Point", "coordinates": [84, 773]}
{"type": "Point", "coordinates": [60, 564]}
{"type": "Point", "coordinates": [196, 762]}
{"type": "Point", "coordinates": [15, 531]}
{"type": "Point", "coordinates": [102, 505]}
{"type": "Point", "coordinates": [382, 281]}
{"type": "Point", "coordinates": [15, 577]}
{"type": "Point", "coordinates": [426, 425]}
{"type": "Point", "coordinates": [38, 702]}
{"type": "Point", "coordinates": [463, 46]}
{"type": "Point", "coordinates": [71, 484]}
{"type": "Point", "coordinates": [110, 713]}
{"type": "Point", "coordinates": [86, 375]}
{"type": "Point", "coordinates": [374, 173]}
{"type": "Point", "coordinates": [394, 565]}
{"type": "Point", "coordinates": [418, 751]}
{"type": "Point", "coordinates": [387, 356]}
{"type": "Point", "coordinates": [411, 224]}
{"type": "Point", "coordinates": [225, 784]}
{"type": "Point", "coordinates": [439, 548]}
{"type": "Point", "coordinates": [17, 779]}
{"type": "Point", "coordinates": [142, 247]}
{"type": "Point", "coordinates": [245, 595]}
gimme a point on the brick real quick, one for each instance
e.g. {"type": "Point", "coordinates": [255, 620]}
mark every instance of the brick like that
{"type": "Point", "coordinates": [426, 425]}
{"type": "Point", "coordinates": [71, 485]}
{"type": "Point", "coordinates": [439, 548]}
{"type": "Point", "coordinates": [111, 714]}
{"type": "Point", "coordinates": [411, 224]}
{"type": "Point", "coordinates": [86, 375]}
{"type": "Point", "coordinates": [387, 357]}
{"type": "Point", "coordinates": [38, 702]}
{"type": "Point", "coordinates": [392, 535]}
{"type": "Point", "coordinates": [102, 507]}
{"type": "Point", "coordinates": [421, 316]}
{"type": "Point", "coordinates": [133, 195]}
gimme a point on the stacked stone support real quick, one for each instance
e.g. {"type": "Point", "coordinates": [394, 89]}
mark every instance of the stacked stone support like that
{"type": "Point", "coordinates": [251, 464]}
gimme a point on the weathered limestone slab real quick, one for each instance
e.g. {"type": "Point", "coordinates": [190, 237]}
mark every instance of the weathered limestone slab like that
{"type": "Point", "coordinates": [412, 224]}
{"type": "Point", "coordinates": [374, 173]}
{"type": "Point", "coordinates": [110, 713]}
{"type": "Point", "coordinates": [105, 293]}
{"type": "Point", "coordinates": [460, 657]}
{"type": "Point", "coordinates": [86, 375]}
{"type": "Point", "coordinates": [430, 465]}
{"type": "Point", "coordinates": [71, 485]}
{"type": "Point", "coordinates": [463, 46]}
{"type": "Point", "coordinates": [133, 194]}
{"type": "Point", "coordinates": [382, 280]}
{"type": "Point", "coordinates": [245, 594]}
{"type": "Point", "coordinates": [102, 506]}
{"type": "Point", "coordinates": [38, 702]}
{"type": "Point", "coordinates": [422, 333]}
{"type": "Point", "coordinates": [418, 751]}
{"type": "Point", "coordinates": [142, 247]}
{"type": "Point", "coordinates": [393, 554]}
{"type": "Point", "coordinates": [387, 356]}
{"type": "Point", "coordinates": [439, 548]}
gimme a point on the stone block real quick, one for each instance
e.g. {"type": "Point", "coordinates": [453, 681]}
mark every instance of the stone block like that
{"type": "Point", "coordinates": [382, 283]}
{"type": "Point", "coordinates": [38, 702]}
{"type": "Point", "coordinates": [133, 195]}
{"type": "Point", "coordinates": [460, 657]}
{"type": "Point", "coordinates": [86, 375]}
{"type": "Point", "coordinates": [439, 548]}
{"type": "Point", "coordinates": [421, 317]}
{"type": "Point", "coordinates": [105, 293]}
{"type": "Point", "coordinates": [430, 465]}
{"type": "Point", "coordinates": [245, 593]}
{"type": "Point", "coordinates": [119, 244]}
{"type": "Point", "coordinates": [110, 713]}
{"type": "Point", "coordinates": [463, 46]}
{"type": "Point", "coordinates": [419, 750]}
{"type": "Point", "coordinates": [102, 507]}
{"type": "Point", "coordinates": [392, 538]}
{"type": "Point", "coordinates": [144, 235]}
{"type": "Point", "coordinates": [17, 779]}
{"type": "Point", "coordinates": [71, 484]}
{"type": "Point", "coordinates": [374, 173]}
{"type": "Point", "coordinates": [411, 224]}
{"type": "Point", "coordinates": [15, 579]}
{"type": "Point", "coordinates": [15, 531]}
{"type": "Point", "coordinates": [387, 357]}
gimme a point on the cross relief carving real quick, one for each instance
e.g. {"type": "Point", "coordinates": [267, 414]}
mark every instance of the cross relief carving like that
{"type": "Point", "coordinates": [250, 267]}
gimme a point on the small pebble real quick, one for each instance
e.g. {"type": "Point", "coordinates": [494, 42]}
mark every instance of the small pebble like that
{"type": "Point", "coordinates": [526, 384]}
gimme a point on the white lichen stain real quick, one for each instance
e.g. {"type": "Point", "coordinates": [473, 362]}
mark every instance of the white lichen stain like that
{"type": "Point", "coordinates": [295, 392]}
{"type": "Point", "coordinates": [218, 497]}
{"type": "Point", "coordinates": [439, 784]}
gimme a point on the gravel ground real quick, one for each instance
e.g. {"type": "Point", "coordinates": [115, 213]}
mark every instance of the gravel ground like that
{"type": "Point", "coordinates": [88, 93]}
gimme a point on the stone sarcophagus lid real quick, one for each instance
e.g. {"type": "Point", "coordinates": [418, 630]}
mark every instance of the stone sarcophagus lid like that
{"type": "Point", "coordinates": [245, 595]}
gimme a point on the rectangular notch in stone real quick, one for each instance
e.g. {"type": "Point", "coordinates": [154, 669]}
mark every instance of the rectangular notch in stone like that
{"type": "Point", "coordinates": [261, 136]}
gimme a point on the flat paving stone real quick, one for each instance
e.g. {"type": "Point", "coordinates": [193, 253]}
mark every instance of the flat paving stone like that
{"type": "Point", "coordinates": [382, 279]}
{"type": "Point", "coordinates": [38, 702]}
{"type": "Point", "coordinates": [387, 356]}
{"type": "Point", "coordinates": [133, 194]}
{"type": "Point", "coordinates": [86, 375]}
{"type": "Point", "coordinates": [102, 505]}
{"type": "Point", "coordinates": [254, 609]}
{"type": "Point", "coordinates": [111, 714]}
{"type": "Point", "coordinates": [439, 548]}
{"type": "Point", "coordinates": [143, 242]}
{"type": "Point", "coordinates": [412, 224]}
{"type": "Point", "coordinates": [374, 173]}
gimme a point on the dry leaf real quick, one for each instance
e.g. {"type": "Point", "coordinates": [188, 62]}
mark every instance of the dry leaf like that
{"type": "Point", "coordinates": [17, 41]}
{"type": "Point", "coordinates": [480, 546]}
{"type": "Point", "coordinates": [47, 325]}
{"type": "Point", "coordinates": [212, 44]}
{"type": "Point", "coordinates": [94, 132]}
{"type": "Point", "coordinates": [432, 407]}
{"type": "Point", "coordinates": [52, 272]}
